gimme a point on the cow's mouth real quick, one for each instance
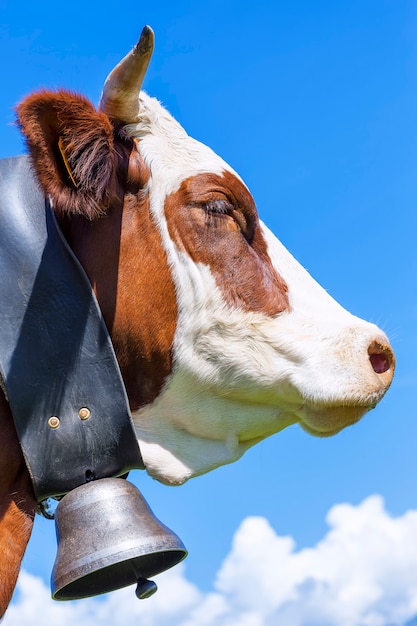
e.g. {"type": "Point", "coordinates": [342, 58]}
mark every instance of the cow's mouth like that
{"type": "Point", "coordinates": [328, 421]}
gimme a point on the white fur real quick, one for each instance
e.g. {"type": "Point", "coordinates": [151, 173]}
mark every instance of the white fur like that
{"type": "Point", "coordinates": [239, 377]}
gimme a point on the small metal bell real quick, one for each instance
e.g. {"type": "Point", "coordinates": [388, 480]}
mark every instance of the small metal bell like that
{"type": "Point", "coordinates": [109, 538]}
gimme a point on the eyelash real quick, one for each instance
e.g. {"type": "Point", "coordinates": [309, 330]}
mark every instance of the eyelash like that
{"type": "Point", "coordinates": [219, 207]}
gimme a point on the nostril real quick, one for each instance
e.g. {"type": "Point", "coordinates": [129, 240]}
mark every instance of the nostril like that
{"type": "Point", "coordinates": [379, 362]}
{"type": "Point", "coordinates": [381, 357]}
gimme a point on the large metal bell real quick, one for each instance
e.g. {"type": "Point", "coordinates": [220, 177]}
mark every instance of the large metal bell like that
{"type": "Point", "coordinates": [109, 538]}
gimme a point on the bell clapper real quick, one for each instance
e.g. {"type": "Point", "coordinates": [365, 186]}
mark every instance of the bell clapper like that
{"type": "Point", "coordinates": [145, 589]}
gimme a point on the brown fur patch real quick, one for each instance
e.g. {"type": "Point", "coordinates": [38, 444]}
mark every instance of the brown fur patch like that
{"type": "Point", "coordinates": [214, 220]}
{"type": "Point", "coordinates": [124, 259]}
{"type": "Point", "coordinates": [17, 506]}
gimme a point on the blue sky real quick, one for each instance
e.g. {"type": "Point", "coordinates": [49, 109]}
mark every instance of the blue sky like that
{"type": "Point", "coordinates": [315, 105]}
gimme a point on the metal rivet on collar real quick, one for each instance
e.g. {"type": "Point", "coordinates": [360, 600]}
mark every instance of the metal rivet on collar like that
{"type": "Point", "coordinates": [53, 422]}
{"type": "Point", "coordinates": [84, 413]}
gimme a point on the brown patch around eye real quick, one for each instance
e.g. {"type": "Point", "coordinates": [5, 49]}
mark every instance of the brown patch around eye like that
{"type": "Point", "coordinates": [230, 242]}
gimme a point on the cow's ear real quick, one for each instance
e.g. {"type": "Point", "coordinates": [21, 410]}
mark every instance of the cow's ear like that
{"type": "Point", "coordinates": [72, 149]}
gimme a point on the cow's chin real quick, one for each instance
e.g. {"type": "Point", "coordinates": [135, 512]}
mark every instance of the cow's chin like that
{"type": "Point", "coordinates": [328, 421]}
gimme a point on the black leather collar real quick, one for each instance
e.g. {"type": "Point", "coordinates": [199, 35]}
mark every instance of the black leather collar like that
{"type": "Point", "coordinates": [58, 365]}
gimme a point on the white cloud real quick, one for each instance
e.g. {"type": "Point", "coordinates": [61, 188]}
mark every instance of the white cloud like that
{"type": "Point", "coordinates": [362, 573]}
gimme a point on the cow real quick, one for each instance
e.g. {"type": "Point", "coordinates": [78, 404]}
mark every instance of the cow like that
{"type": "Point", "coordinates": [222, 338]}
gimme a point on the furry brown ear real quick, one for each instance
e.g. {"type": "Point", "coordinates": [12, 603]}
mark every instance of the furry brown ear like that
{"type": "Point", "coordinates": [72, 149]}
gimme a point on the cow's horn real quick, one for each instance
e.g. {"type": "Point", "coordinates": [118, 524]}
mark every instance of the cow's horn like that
{"type": "Point", "coordinates": [120, 98]}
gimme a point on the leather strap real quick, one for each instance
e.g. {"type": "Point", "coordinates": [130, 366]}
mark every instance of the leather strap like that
{"type": "Point", "coordinates": [56, 356]}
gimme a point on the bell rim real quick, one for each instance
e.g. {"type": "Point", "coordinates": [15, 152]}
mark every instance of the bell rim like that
{"type": "Point", "coordinates": [61, 586]}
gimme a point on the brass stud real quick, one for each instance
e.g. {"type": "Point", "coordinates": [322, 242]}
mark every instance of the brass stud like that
{"type": "Point", "coordinates": [53, 422]}
{"type": "Point", "coordinates": [84, 413]}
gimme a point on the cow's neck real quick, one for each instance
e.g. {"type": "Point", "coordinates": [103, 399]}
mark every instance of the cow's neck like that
{"type": "Point", "coordinates": [135, 292]}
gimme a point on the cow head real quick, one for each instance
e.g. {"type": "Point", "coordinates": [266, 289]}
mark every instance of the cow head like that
{"type": "Point", "coordinates": [222, 337]}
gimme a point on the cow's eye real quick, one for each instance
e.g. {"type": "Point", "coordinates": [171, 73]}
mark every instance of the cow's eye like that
{"type": "Point", "coordinates": [218, 207]}
{"type": "Point", "coordinates": [218, 210]}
